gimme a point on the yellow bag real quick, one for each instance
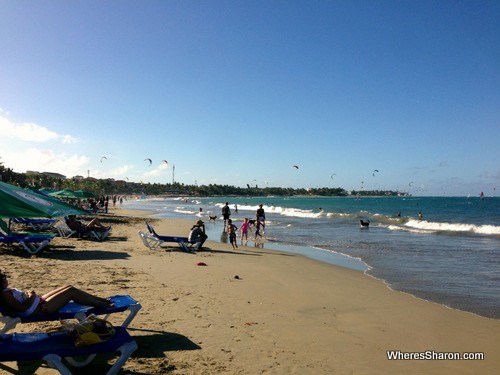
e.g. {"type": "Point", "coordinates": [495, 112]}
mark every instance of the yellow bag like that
{"type": "Point", "coordinates": [92, 330]}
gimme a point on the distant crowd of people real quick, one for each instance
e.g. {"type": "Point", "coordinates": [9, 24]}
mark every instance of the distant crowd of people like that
{"type": "Point", "coordinates": [100, 204]}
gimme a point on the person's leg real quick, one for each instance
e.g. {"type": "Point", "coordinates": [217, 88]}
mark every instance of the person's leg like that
{"type": "Point", "coordinates": [57, 300]}
{"type": "Point", "coordinates": [202, 239]}
{"type": "Point", "coordinates": [56, 291]}
{"type": "Point", "coordinates": [95, 223]}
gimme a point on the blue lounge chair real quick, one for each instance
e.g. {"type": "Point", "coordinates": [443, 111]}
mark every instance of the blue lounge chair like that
{"type": "Point", "coordinates": [153, 240]}
{"type": "Point", "coordinates": [36, 225]}
{"type": "Point", "coordinates": [121, 303]}
{"type": "Point", "coordinates": [53, 347]}
{"type": "Point", "coordinates": [31, 243]}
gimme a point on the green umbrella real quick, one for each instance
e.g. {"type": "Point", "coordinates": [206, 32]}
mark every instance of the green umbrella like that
{"type": "Point", "coordinates": [18, 202]}
{"type": "Point", "coordinates": [65, 193]}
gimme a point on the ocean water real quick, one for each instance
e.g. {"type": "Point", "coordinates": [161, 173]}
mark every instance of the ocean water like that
{"type": "Point", "coordinates": [451, 256]}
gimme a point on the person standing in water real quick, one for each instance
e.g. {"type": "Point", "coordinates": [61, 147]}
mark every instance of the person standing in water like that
{"type": "Point", "coordinates": [226, 212]}
{"type": "Point", "coordinates": [260, 217]}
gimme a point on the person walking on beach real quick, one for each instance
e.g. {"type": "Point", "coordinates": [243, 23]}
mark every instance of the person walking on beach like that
{"type": "Point", "coordinates": [244, 230]}
{"type": "Point", "coordinates": [226, 212]}
{"type": "Point", "coordinates": [260, 216]}
{"type": "Point", "coordinates": [231, 232]}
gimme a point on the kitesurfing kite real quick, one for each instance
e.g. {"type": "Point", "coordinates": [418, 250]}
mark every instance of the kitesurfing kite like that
{"type": "Point", "coordinates": [166, 162]}
{"type": "Point", "coordinates": [150, 161]}
{"type": "Point", "coordinates": [334, 174]}
{"type": "Point", "coordinates": [376, 170]}
{"type": "Point", "coordinates": [104, 157]}
{"type": "Point", "coordinates": [296, 167]}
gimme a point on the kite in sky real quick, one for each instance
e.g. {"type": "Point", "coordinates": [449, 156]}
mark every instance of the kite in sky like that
{"type": "Point", "coordinates": [376, 170]}
{"type": "Point", "coordinates": [150, 161]}
{"type": "Point", "coordinates": [104, 157]}
{"type": "Point", "coordinates": [296, 167]}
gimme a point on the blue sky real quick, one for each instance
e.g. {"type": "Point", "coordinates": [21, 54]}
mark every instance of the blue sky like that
{"type": "Point", "coordinates": [237, 92]}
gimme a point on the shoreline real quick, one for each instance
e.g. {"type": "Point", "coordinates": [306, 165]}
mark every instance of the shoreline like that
{"type": "Point", "coordinates": [284, 314]}
{"type": "Point", "coordinates": [344, 261]}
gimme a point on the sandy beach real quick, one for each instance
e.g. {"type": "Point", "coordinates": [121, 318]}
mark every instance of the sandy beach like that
{"type": "Point", "coordinates": [251, 311]}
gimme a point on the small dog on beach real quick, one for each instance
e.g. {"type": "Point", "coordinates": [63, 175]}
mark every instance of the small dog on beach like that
{"type": "Point", "coordinates": [365, 224]}
{"type": "Point", "coordinates": [252, 221]}
{"type": "Point", "coordinates": [211, 218]}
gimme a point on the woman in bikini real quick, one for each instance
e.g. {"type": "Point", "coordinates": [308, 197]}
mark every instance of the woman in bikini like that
{"type": "Point", "coordinates": [26, 303]}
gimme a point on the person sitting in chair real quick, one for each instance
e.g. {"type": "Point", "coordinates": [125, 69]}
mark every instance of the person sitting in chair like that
{"type": "Point", "coordinates": [197, 234]}
{"type": "Point", "coordinates": [26, 303]}
{"type": "Point", "coordinates": [77, 225]}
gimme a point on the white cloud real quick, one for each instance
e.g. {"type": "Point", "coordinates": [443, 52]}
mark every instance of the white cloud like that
{"type": "Point", "coordinates": [120, 171]}
{"type": "Point", "coordinates": [31, 132]}
{"type": "Point", "coordinates": [46, 160]}
{"type": "Point", "coordinates": [68, 139]}
{"type": "Point", "coordinates": [153, 173]}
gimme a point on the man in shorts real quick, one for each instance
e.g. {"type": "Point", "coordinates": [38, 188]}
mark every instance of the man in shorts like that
{"type": "Point", "coordinates": [260, 216]}
{"type": "Point", "coordinates": [197, 234]}
{"type": "Point", "coordinates": [226, 212]}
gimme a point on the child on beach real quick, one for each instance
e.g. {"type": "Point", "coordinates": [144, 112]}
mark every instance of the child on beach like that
{"type": "Point", "coordinates": [258, 225]}
{"type": "Point", "coordinates": [231, 231]}
{"type": "Point", "coordinates": [244, 229]}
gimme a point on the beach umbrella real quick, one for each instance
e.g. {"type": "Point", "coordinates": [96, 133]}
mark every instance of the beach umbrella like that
{"type": "Point", "coordinates": [64, 193]}
{"type": "Point", "coordinates": [19, 202]}
{"type": "Point", "coordinates": [45, 191]}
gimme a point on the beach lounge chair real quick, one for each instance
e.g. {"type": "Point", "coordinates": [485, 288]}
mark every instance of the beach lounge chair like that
{"type": "Point", "coordinates": [152, 240]}
{"type": "Point", "coordinates": [31, 243]}
{"type": "Point", "coordinates": [36, 225]}
{"type": "Point", "coordinates": [66, 232]}
{"type": "Point", "coordinates": [6, 231]}
{"type": "Point", "coordinates": [121, 303]}
{"type": "Point", "coordinates": [53, 347]}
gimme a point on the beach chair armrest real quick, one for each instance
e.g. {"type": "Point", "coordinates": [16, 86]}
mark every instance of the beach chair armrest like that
{"type": "Point", "coordinates": [133, 310]}
{"type": "Point", "coordinates": [9, 323]}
